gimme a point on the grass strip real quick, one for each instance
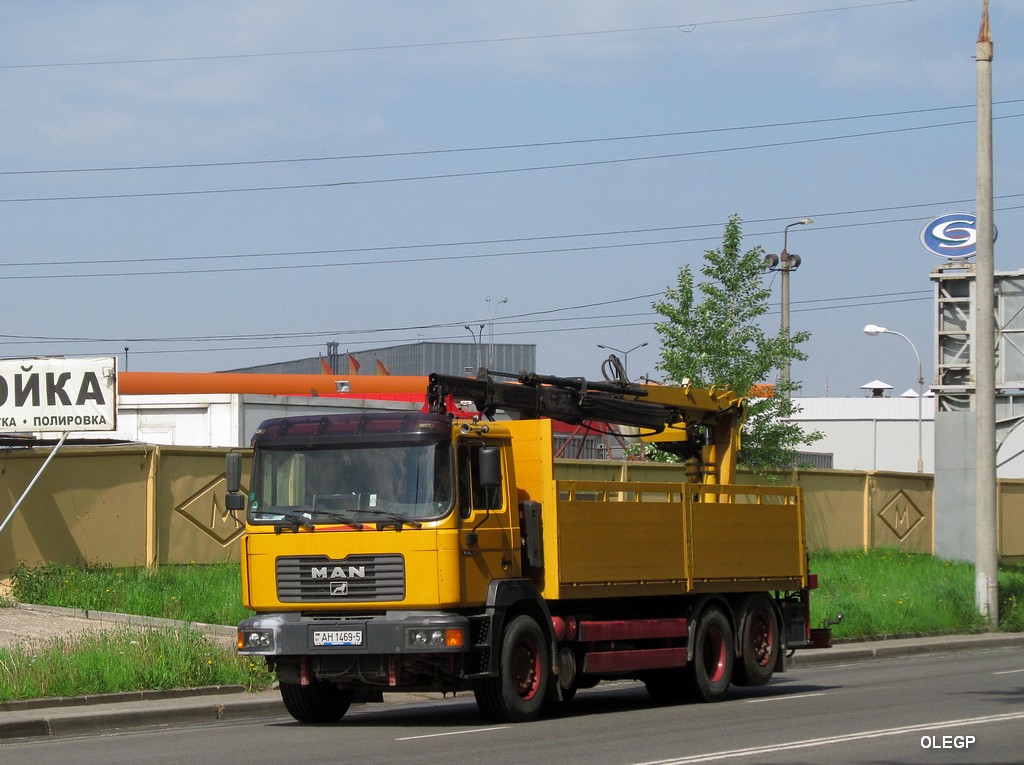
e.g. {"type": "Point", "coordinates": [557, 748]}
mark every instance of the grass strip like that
{"type": "Point", "coordinates": [886, 592]}
{"type": "Point", "coordinates": [124, 659]}
{"type": "Point", "coordinates": [210, 594]}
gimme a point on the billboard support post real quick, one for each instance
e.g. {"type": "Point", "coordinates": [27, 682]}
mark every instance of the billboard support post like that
{"type": "Point", "coordinates": [35, 478]}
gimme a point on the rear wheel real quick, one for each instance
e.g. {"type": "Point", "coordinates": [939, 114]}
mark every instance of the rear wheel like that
{"type": "Point", "coordinates": [712, 660]}
{"type": "Point", "coordinates": [759, 642]}
{"type": "Point", "coordinates": [318, 702]}
{"type": "Point", "coordinates": [517, 693]}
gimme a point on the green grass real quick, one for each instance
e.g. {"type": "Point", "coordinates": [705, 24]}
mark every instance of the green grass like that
{"type": "Point", "coordinates": [130, 659]}
{"type": "Point", "coordinates": [124, 660]}
{"type": "Point", "coordinates": [211, 594]}
{"type": "Point", "coordinates": [882, 593]}
{"type": "Point", "coordinates": [888, 593]}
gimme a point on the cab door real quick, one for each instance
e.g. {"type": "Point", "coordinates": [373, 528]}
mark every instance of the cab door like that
{"type": "Point", "coordinates": [485, 537]}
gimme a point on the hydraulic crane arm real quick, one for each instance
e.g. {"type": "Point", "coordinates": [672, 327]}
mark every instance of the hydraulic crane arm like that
{"type": "Point", "coordinates": [575, 400]}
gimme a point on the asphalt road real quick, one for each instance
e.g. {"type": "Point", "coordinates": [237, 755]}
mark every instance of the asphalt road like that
{"type": "Point", "coordinates": [965, 707]}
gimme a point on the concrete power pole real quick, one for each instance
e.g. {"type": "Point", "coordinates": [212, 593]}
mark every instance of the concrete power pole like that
{"type": "Point", "coordinates": [986, 559]}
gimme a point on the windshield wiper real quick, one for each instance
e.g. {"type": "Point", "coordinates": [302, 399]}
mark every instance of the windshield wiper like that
{"type": "Point", "coordinates": [293, 522]}
{"type": "Point", "coordinates": [297, 521]}
{"type": "Point", "coordinates": [396, 520]}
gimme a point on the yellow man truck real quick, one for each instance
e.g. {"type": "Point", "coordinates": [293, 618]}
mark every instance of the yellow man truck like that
{"type": "Point", "coordinates": [406, 551]}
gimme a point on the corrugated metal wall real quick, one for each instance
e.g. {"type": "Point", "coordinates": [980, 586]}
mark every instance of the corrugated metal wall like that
{"type": "Point", "coordinates": [417, 359]}
{"type": "Point", "coordinates": [310, 366]}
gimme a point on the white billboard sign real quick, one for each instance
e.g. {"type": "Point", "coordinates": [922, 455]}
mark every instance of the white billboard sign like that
{"type": "Point", "coordinates": [58, 394]}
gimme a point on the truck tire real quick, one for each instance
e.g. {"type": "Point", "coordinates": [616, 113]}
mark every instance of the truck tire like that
{"type": "Point", "coordinates": [318, 702]}
{"type": "Point", "coordinates": [710, 669]}
{"type": "Point", "coordinates": [759, 642]}
{"type": "Point", "coordinates": [517, 693]}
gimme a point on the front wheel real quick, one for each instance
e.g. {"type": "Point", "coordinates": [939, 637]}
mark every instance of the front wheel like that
{"type": "Point", "coordinates": [712, 659]}
{"type": "Point", "coordinates": [318, 702]}
{"type": "Point", "coordinates": [517, 693]}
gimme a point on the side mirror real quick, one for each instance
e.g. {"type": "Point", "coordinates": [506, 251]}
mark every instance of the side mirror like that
{"type": "Point", "coordinates": [490, 466]}
{"type": "Point", "coordinates": [235, 500]}
{"type": "Point", "coordinates": [233, 472]}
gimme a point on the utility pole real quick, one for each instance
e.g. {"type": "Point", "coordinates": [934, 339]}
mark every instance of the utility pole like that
{"type": "Point", "coordinates": [785, 262]}
{"type": "Point", "coordinates": [986, 558]}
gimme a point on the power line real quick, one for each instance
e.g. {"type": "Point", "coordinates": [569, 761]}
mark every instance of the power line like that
{"type": "Point", "coordinates": [684, 27]}
{"type": "Point", "coordinates": [490, 172]}
{"type": "Point", "coordinates": [340, 332]}
{"type": "Point", "coordinates": [496, 147]}
{"type": "Point", "coordinates": [828, 304]}
{"type": "Point", "coordinates": [443, 258]}
{"type": "Point", "coordinates": [510, 240]}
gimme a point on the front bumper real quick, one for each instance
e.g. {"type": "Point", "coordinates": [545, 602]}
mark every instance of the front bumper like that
{"type": "Point", "coordinates": [393, 632]}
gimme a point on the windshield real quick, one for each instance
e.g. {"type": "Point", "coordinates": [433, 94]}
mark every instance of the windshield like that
{"type": "Point", "coordinates": [351, 484]}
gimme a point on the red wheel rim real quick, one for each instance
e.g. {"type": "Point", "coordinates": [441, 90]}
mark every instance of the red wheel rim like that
{"type": "Point", "coordinates": [762, 639]}
{"type": "Point", "coordinates": [715, 654]}
{"type": "Point", "coordinates": [526, 670]}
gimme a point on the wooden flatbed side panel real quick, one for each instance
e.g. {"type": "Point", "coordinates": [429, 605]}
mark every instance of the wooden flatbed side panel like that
{"type": "Point", "coordinates": [751, 542]}
{"type": "Point", "coordinates": [604, 543]}
{"type": "Point", "coordinates": [747, 585]}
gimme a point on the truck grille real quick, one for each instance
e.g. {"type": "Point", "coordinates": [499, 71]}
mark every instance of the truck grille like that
{"type": "Point", "coordinates": [319, 579]}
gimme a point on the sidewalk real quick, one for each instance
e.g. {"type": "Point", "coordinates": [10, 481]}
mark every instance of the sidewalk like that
{"type": "Point", "coordinates": [869, 650]}
{"type": "Point", "coordinates": [115, 712]}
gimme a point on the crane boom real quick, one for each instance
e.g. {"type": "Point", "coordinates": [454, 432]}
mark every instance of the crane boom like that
{"type": "Point", "coordinates": [575, 400]}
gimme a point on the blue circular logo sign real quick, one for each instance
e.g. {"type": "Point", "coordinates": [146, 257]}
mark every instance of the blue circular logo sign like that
{"type": "Point", "coordinates": [953, 235]}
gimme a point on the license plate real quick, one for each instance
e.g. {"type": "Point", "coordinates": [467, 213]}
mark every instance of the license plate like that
{"type": "Point", "coordinates": [330, 638]}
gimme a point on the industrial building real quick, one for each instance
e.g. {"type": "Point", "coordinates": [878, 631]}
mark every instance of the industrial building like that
{"type": "Point", "coordinates": [410, 359]}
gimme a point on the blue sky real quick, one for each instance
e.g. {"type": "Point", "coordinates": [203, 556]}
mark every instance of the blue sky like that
{"type": "Point", "coordinates": [221, 184]}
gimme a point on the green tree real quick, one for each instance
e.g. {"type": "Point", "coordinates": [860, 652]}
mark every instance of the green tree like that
{"type": "Point", "coordinates": [718, 340]}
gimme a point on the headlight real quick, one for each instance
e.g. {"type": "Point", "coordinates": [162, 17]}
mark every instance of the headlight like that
{"type": "Point", "coordinates": [435, 638]}
{"type": "Point", "coordinates": [255, 640]}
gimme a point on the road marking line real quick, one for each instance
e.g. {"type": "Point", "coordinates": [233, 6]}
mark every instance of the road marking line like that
{"type": "Point", "coordinates": [783, 697]}
{"type": "Point", "coordinates": [453, 733]}
{"type": "Point", "coordinates": [1008, 672]}
{"type": "Point", "coordinates": [808, 743]}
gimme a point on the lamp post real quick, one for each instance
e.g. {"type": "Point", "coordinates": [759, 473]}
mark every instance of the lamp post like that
{"type": "Point", "coordinates": [477, 340]}
{"type": "Point", "coordinates": [785, 262]}
{"type": "Point", "coordinates": [874, 330]}
{"type": "Point", "coordinates": [625, 355]}
{"type": "Point", "coordinates": [490, 344]}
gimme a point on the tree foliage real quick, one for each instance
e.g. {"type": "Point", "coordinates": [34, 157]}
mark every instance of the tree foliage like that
{"type": "Point", "coordinates": [712, 335]}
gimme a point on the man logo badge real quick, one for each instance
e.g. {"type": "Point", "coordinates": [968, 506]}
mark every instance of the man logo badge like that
{"type": "Point", "coordinates": [339, 588]}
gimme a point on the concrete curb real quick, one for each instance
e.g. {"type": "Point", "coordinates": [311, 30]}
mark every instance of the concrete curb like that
{"type": "Point", "coordinates": [97, 699]}
{"type": "Point", "coordinates": [872, 650]}
{"type": "Point", "coordinates": [123, 715]}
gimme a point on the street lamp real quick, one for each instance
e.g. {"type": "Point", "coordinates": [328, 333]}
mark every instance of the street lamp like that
{"type": "Point", "coordinates": [490, 345]}
{"type": "Point", "coordinates": [874, 330]}
{"type": "Point", "coordinates": [477, 340]}
{"type": "Point", "coordinates": [625, 355]}
{"type": "Point", "coordinates": [785, 262]}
